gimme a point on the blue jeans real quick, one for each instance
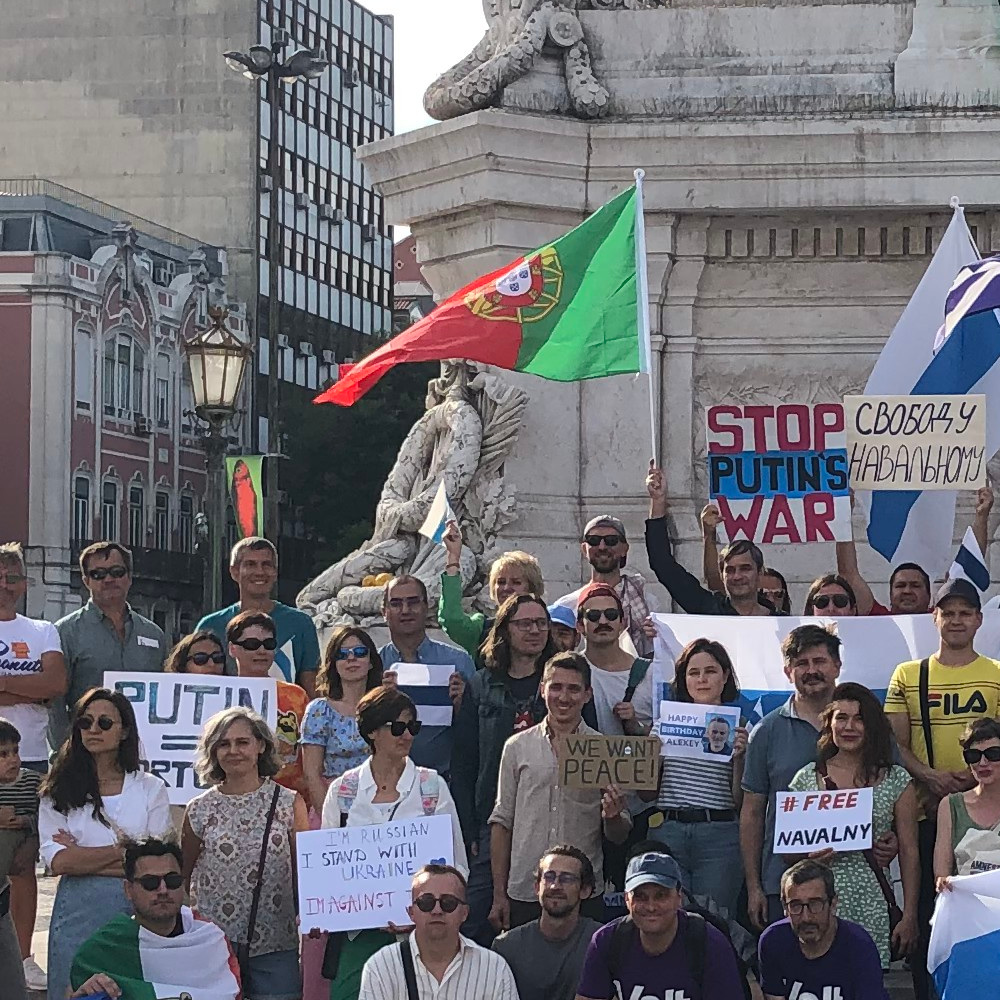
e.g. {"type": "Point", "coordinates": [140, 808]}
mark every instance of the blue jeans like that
{"type": "Point", "coordinates": [709, 858]}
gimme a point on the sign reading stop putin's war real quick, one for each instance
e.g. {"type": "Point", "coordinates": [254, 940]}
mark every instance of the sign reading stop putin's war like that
{"type": "Point", "coordinates": [632, 763]}
{"type": "Point", "coordinates": [779, 473]}
{"type": "Point", "coordinates": [916, 442]}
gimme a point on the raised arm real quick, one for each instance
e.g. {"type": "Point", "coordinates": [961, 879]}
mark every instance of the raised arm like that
{"type": "Point", "coordinates": [981, 522]}
{"type": "Point", "coordinates": [710, 519]}
{"type": "Point", "coordinates": [463, 628]}
{"type": "Point", "coordinates": [847, 567]}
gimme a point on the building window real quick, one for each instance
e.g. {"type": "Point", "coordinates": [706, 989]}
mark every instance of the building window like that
{"type": "Point", "coordinates": [83, 365]}
{"type": "Point", "coordinates": [81, 509]}
{"type": "Point", "coordinates": [124, 372]}
{"type": "Point", "coordinates": [162, 524]}
{"type": "Point", "coordinates": [162, 390]}
{"type": "Point", "coordinates": [187, 403]}
{"type": "Point", "coordinates": [185, 523]}
{"type": "Point", "coordinates": [109, 512]}
{"type": "Point", "coordinates": [136, 516]}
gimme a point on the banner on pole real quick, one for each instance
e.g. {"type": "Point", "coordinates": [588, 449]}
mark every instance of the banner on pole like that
{"type": "Point", "coordinates": [779, 473]}
{"type": "Point", "coordinates": [813, 821]}
{"type": "Point", "coordinates": [358, 877]}
{"type": "Point", "coordinates": [243, 475]}
{"type": "Point", "coordinates": [916, 442]}
{"type": "Point", "coordinates": [171, 711]}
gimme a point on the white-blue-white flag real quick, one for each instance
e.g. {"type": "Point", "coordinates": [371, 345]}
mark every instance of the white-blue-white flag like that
{"type": "Point", "coordinates": [918, 525]}
{"type": "Point", "coordinates": [964, 952]}
{"type": "Point", "coordinates": [427, 686]}
{"type": "Point", "coordinates": [438, 516]}
{"type": "Point", "coordinates": [970, 564]}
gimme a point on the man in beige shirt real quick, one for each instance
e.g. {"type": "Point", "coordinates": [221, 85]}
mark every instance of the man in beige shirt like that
{"type": "Point", "coordinates": [533, 811]}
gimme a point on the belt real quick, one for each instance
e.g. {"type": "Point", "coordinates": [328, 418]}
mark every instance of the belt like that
{"type": "Point", "coordinates": [700, 815]}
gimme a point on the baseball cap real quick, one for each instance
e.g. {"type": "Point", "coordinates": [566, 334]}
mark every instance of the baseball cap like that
{"type": "Point", "coordinates": [605, 521]}
{"type": "Point", "coordinates": [598, 590]}
{"type": "Point", "coordinates": [560, 614]}
{"type": "Point", "coordinates": [658, 869]}
{"type": "Point", "coordinates": [959, 587]}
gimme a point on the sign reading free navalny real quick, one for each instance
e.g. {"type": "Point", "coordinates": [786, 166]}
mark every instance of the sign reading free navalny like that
{"type": "Point", "coordinates": [779, 473]}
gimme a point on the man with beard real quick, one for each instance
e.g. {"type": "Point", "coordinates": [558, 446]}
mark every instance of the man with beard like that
{"type": "Point", "coordinates": [813, 953]}
{"type": "Point", "coordinates": [546, 955]}
{"type": "Point", "coordinates": [929, 702]}
{"type": "Point", "coordinates": [717, 734]}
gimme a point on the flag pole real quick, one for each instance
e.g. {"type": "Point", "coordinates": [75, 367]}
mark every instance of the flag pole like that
{"type": "Point", "coordinates": [642, 306]}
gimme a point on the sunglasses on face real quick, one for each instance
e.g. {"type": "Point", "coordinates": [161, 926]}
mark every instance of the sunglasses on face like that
{"type": "Point", "coordinates": [116, 573]}
{"type": "Point", "coordinates": [252, 645]}
{"type": "Point", "coordinates": [202, 658]}
{"type": "Point", "coordinates": [399, 727]}
{"type": "Point", "coordinates": [358, 652]}
{"type": "Point", "coordinates": [172, 880]}
{"type": "Point", "coordinates": [596, 541]}
{"type": "Point", "coordinates": [823, 600]}
{"type": "Point", "coordinates": [971, 756]}
{"type": "Point", "coordinates": [426, 902]}
{"type": "Point", "coordinates": [596, 614]}
{"type": "Point", "coordinates": [85, 722]}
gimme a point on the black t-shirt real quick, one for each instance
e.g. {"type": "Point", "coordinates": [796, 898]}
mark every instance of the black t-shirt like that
{"type": "Point", "coordinates": [524, 691]}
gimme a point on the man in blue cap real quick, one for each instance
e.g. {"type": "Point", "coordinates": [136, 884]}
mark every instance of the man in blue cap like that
{"type": "Point", "coordinates": [562, 626]}
{"type": "Point", "coordinates": [659, 950]}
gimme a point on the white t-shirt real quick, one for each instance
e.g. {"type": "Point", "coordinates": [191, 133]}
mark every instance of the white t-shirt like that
{"type": "Point", "coordinates": [23, 642]}
{"type": "Point", "coordinates": [609, 689]}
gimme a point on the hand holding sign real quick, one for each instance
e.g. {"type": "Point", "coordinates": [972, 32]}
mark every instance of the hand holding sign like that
{"type": "Point", "coordinates": [813, 822]}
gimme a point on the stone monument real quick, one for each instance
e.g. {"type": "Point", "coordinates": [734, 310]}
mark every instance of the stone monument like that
{"type": "Point", "coordinates": [799, 157]}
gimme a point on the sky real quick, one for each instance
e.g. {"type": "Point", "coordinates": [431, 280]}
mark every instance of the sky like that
{"type": "Point", "coordinates": [430, 37]}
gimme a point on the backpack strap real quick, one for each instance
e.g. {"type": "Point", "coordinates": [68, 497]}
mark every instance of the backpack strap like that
{"type": "Point", "coordinates": [696, 942]}
{"type": "Point", "coordinates": [636, 675]}
{"type": "Point", "coordinates": [409, 972]}
{"type": "Point", "coordinates": [347, 793]}
{"type": "Point", "coordinates": [430, 790]}
{"type": "Point", "coordinates": [621, 937]}
{"type": "Point", "coordinates": [925, 708]}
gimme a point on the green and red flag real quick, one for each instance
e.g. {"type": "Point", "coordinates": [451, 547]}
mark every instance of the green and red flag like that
{"type": "Point", "coordinates": [573, 309]}
{"type": "Point", "coordinates": [243, 473]}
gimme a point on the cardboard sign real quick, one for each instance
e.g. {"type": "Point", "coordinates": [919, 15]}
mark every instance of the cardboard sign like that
{"type": "Point", "coordinates": [427, 685]}
{"type": "Point", "coordinates": [358, 877]}
{"type": "Point", "coordinates": [779, 473]}
{"type": "Point", "coordinates": [698, 732]}
{"type": "Point", "coordinates": [916, 442]}
{"type": "Point", "coordinates": [632, 763]}
{"type": "Point", "coordinates": [171, 710]}
{"type": "Point", "coordinates": [813, 821]}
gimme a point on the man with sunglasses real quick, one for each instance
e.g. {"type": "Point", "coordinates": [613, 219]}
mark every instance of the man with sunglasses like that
{"type": "Point", "coordinates": [164, 950]}
{"type": "Point", "coordinates": [105, 634]}
{"type": "Point", "coordinates": [813, 954]}
{"type": "Point", "coordinates": [436, 962]}
{"type": "Point", "coordinates": [546, 955]}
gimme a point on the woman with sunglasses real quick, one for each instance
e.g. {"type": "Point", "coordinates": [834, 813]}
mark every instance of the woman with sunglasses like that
{"type": "Point", "coordinates": [968, 823]}
{"type": "Point", "coordinates": [198, 653]}
{"type": "Point", "coordinates": [773, 588]}
{"type": "Point", "coordinates": [854, 750]}
{"type": "Point", "coordinates": [387, 786]}
{"type": "Point", "coordinates": [95, 796]}
{"type": "Point", "coordinates": [831, 596]}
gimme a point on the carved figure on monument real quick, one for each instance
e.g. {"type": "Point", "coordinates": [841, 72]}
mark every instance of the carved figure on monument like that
{"type": "Point", "coordinates": [519, 31]}
{"type": "Point", "coordinates": [471, 425]}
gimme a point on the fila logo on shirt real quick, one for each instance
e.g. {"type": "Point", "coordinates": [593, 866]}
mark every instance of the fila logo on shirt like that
{"type": "Point", "coordinates": [638, 994]}
{"type": "Point", "coordinates": [829, 993]}
{"type": "Point", "coordinates": [950, 705]}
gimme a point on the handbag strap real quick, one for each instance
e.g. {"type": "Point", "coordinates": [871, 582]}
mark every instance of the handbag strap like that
{"type": "Point", "coordinates": [925, 709]}
{"type": "Point", "coordinates": [869, 855]}
{"type": "Point", "coordinates": [409, 972]}
{"type": "Point", "coordinates": [258, 887]}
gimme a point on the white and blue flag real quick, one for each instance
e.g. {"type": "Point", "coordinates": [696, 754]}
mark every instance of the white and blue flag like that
{"type": "Point", "coordinates": [970, 564]}
{"type": "Point", "coordinates": [438, 516]}
{"type": "Point", "coordinates": [924, 357]}
{"type": "Point", "coordinates": [964, 952]}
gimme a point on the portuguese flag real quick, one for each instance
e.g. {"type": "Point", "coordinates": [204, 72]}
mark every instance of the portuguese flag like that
{"type": "Point", "coordinates": [571, 310]}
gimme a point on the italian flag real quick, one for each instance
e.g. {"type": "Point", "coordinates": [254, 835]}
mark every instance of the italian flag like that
{"type": "Point", "coordinates": [198, 963]}
{"type": "Point", "coordinates": [574, 309]}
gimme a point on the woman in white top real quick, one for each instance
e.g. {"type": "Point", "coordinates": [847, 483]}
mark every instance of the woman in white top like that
{"type": "Point", "coordinates": [95, 797]}
{"type": "Point", "coordinates": [385, 787]}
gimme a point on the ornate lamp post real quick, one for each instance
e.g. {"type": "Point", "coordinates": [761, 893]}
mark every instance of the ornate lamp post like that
{"type": "Point", "coordinates": [217, 359]}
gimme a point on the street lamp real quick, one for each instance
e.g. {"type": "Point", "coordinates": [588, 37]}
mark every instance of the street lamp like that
{"type": "Point", "coordinates": [217, 359]}
{"type": "Point", "coordinates": [265, 61]}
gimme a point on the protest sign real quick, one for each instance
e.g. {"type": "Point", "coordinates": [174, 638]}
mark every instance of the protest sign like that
{"type": "Point", "coordinates": [171, 711]}
{"type": "Point", "coordinates": [427, 685]}
{"type": "Point", "coordinates": [358, 877]}
{"type": "Point", "coordinates": [630, 762]}
{"type": "Point", "coordinates": [813, 821]}
{"type": "Point", "coordinates": [916, 442]}
{"type": "Point", "coordinates": [779, 473]}
{"type": "Point", "coordinates": [698, 732]}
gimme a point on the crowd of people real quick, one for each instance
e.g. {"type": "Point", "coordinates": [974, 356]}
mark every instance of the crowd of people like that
{"type": "Point", "coordinates": [551, 891]}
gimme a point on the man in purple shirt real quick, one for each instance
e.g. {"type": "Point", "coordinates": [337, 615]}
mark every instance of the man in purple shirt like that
{"type": "Point", "coordinates": [650, 954]}
{"type": "Point", "coordinates": [813, 955]}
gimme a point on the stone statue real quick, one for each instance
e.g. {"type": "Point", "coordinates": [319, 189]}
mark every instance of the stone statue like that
{"type": "Point", "coordinates": [518, 32]}
{"type": "Point", "coordinates": [470, 427]}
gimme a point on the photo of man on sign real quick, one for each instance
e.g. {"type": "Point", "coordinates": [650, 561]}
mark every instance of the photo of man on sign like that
{"type": "Point", "coordinates": [718, 736]}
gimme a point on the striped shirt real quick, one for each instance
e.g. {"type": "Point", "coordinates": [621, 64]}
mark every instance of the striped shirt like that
{"type": "Point", "coordinates": [22, 794]}
{"type": "Point", "coordinates": [474, 974]}
{"type": "Point", "coordinates": [696, 784]}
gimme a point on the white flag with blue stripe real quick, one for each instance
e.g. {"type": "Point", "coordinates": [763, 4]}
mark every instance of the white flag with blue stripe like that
{"type": "Point", "coordinates": [438, 516]}
{"type": "Point", "coordinates": [964, 952]}
{"type": "Point", "coordinates": [427, 686]}
{"type": "Point", "coordinates": [918, 525]}
{"type": "Point", "coordinates": [970, 564]}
